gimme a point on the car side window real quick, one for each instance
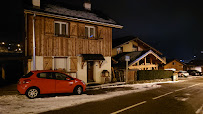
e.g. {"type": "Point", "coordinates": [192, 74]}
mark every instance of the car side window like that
{"type": "Point", "coordinates": [60, 76]}
{"type": "Point", "coordinates": [47, 75]}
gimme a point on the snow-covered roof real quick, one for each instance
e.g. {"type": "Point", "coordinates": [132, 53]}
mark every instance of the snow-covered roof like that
{"type": "Point", "coordinates": [76, 13]}
{"type": "Point", "coordinates": [93, 16]}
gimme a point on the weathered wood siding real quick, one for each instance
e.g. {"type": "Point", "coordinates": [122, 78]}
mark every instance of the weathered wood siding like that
{"type": "Point", "coordinates": [47, 44]}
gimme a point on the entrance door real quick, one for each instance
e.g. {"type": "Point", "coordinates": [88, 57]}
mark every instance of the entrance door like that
{"type": "Point", "coordinates": [90, 71]}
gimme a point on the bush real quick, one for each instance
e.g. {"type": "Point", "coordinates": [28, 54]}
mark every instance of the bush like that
{"type": "Point", "coordinates": [153, 74]}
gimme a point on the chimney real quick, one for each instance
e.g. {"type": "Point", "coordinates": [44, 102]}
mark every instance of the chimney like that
{"type": "Point", "coordinates": [36, 3]}
{"type": "Point", "coordinates": [87, 5]}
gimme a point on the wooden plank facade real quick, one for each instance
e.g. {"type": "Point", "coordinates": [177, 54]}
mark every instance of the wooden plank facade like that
{"type": "Point", "coordinates": [47, 44]}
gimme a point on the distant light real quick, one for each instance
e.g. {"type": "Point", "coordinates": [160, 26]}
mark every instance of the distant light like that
{"type": "Point", "coordinates": [19, 49]}
{"type": "Point", "coordinates": [195, 56]}
{"type": "Point", "coordinates": [9, 44]}
{"type": "Point", "coordinates": [201, 51]}
{"type": "Point", "coordinates": [181, 60]}
{"type": "Point", "coordinates": [3, 43]}
{"type": "Point", "coordinates": [18, 45]}
{"type": "Point", "coordinates": [9, 47]}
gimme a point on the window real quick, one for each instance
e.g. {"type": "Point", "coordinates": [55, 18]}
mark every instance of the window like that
{"type": "Point", "coordinates": [28, 75]}
{"type": "Point", "coordinates": [47, 75]}
{"type": "Point", "coordinates": [89, 32]}
{"type": "Point", "coordinates": [61, 28]}
{"type": "Point", "coordinates": [174, 63]}
{"type": "Point", "coordinates": [60, 76]}
{"type": "Point", "coordinates": [135, 48]}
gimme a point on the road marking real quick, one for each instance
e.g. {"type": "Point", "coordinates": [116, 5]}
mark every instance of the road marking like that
{"type": "Point", "coordinates": [162, 95]}
{"type": "Point", "coordinates": [128, 107]}
{"type": "Point", "coordinates": [180, 89]}
{"type": "Point", "coordinates": [193, 85]}
{"type": "Point", "coordinates": [153, 99]}
{"type": "Point", "coordinates": [200, 110]}
{"type": "Point", "coordinates": [174, 91]}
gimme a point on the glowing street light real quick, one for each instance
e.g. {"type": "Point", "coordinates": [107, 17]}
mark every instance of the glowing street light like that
{"type": "Point", "coordinates": [19, 49]}
{"type": "Point", "coordinates": [3, 43]}
{"type": "Point", "coordinates": [18, 45]}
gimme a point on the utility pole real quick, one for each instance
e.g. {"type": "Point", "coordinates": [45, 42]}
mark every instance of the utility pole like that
{"type": "Point", "coordinates": [127, 58]}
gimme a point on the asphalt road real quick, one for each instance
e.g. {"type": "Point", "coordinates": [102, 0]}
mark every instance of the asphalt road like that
{"type": "Point", "coordinates": [174, 98]}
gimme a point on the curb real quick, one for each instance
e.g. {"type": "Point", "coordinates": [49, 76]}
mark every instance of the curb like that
{"type": "Point", "coordinates": [105, 85]}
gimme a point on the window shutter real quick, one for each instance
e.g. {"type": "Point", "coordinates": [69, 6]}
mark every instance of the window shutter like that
{"type": "Point", "coordinates": [73, 64]}
{"type": "Point", "coordinates": [47, 63]}
{"type": "Point", "coordinates": [81, 30]}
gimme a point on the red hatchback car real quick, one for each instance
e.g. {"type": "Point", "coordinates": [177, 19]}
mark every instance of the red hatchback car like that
{"type": "Point", "coordinates": [47, 82]}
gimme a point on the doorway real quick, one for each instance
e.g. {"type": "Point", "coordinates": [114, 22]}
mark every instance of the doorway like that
{"type": "Point", "coordinates": [90, 69]}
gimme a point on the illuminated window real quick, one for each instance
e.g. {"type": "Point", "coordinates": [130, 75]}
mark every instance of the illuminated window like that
{"type": "Point", "coordinates": [61, 28]}
{"type": "Point", "coordinates": [89, 32]}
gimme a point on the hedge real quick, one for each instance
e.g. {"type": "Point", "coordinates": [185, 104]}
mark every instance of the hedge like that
{"type": "Point", "coordinates": [153, 74]}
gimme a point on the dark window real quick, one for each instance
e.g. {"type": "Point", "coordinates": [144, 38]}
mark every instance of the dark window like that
{"type": "Point", "coordinates": [60, 76]}
{"type": "Point", "coordinates": [135, 48]}
{"type": "Point", "coordinates": [28, 75]}
{"type": "Point", "coordinates": [61, 28]}
{"type": "Point", "coordinates": [47, 75]}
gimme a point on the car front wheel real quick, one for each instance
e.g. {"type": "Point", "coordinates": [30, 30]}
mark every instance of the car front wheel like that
{"type": "Point", "coordinates": [32, 93]}
{"type": "Point", "coordinates": [78, 90]}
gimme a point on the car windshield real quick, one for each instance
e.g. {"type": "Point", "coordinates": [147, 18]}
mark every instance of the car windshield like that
{"type": "Point", "coordinates": [28, 75]}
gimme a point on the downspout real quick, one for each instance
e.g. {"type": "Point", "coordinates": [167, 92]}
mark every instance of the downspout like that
{"type": "Point", "coordinates": [34, 59]}
{"type": "Point", "coordinates": [25, 34]}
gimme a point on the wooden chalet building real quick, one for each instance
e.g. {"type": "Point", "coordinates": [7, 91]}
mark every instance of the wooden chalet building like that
{"type": "Point", "coordinates": [142, 56]}
{"type": "Point", "coordinates": [76, 41]}
{"type": "Point", "coordinates": [174, 64]}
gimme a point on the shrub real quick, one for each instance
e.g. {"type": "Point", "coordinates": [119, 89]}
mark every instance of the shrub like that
{"type": "Point", "coordinates": [153, 74]}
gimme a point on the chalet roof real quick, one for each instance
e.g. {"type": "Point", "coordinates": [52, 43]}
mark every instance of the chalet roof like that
{"type": "Point", "coordinates": [134, 57]}
{"type": "Point", "coordinates": [79, 13]}
{"type": "Point", "coordinates": [196, 62]}
{"type": "Point", "coordinates": [124, 40]}
{"type": "Point", "coordinates": [121, 58]}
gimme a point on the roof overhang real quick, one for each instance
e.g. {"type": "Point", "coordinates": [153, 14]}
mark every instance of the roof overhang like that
{"type": "Point", "coordinates": [71, 18]}
{"type": "Point", "coordinates": [92, 57]}
{"type": "Point", "coordinates": [137, 39]}
{"type": "Point", "coordinates": [147, 53]}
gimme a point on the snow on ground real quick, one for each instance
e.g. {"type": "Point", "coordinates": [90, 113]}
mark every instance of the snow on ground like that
{"type": "Point", "coordinates": [16, 104]}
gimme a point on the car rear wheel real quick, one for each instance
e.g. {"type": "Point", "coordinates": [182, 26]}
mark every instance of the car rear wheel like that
{"type": "Point", "coordinates": [32, 93]}
{"type": "Point", "coordinates": [78, 90]}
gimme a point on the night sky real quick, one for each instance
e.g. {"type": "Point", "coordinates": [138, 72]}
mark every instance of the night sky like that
{"type": "Point", "coordinates": [173, 27]}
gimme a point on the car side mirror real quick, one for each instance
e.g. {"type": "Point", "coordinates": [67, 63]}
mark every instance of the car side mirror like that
{"type": "Point", "coordinates": [68, 79]}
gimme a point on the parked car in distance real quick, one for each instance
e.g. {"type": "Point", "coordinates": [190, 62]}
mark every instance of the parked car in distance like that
{"type": "Point", "coordinates": [47, 82]}
{"type": "Point", "coordinates": [183, 74]}
{"type": "Point", "coordinates": [194, 72]}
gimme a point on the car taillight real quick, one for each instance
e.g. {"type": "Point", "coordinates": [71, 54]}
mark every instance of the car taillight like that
{"type": "Point", "coordinates": [26, 81]}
